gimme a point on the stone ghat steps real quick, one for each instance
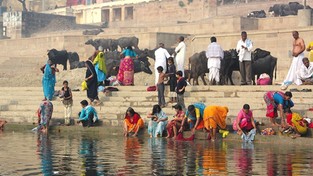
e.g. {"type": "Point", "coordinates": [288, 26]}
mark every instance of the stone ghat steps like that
{"type": "Point", "coordinates": [19, 104]}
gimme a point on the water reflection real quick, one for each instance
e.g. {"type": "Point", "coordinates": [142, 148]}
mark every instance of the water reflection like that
{"type": "Point", "coordinates": [72, 154]}
{"type": "Point", "coordinates": [44, 152]}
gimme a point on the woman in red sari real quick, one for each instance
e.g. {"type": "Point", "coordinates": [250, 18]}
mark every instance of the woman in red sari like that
{"type": "Point", "coordinates": [132, 122]}
{"type": "Point", "coordinates": [176, 123]}
{"type": "Point", "coordinates": [125, 74]}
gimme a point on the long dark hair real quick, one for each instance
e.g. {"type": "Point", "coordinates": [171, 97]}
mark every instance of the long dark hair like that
{"type": "Point", "coordinates": [131, 111]}
{"type": "Point", "coordinates": [156, 109]}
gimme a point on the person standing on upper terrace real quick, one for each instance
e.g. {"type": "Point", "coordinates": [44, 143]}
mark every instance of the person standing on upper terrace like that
{"type": "Point", "coordinates": [298, 54]}
{"type": "Point", "coordinates": [180, 52]}
{"type": "Point", "coordinates": [244, 48]}
{"type": "Point", "coordinates": [214, 54]}
{"type": "Point", "coordinates": [161, 55]}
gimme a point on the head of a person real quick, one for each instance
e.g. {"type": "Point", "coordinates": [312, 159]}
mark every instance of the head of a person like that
{"type": "Point", "coordinates": [156, 109]}
{"type": "Point", "coordinates": [65, 83]}
{"type": "Point", "coordinates": [130, 48]}
{"type": "Point", "coordinates": [160, 69]}
{"type": "Point", "coordinates": [306, 62]}
{"type": "Point", "coordinates": [213, 39]}
{"type": "Point", "coordinates": [181, 38]}
{"type": "Point", "coordinates": [287, 95]}
{"type": "Point", "coordinates": [49, 62]}
{"type": "Point", "coordinates": [243, 35]}
{"type": "Point", "coordinates": [295, 34]}
{"type": "Point", "coordinates": [179, 74]}
{"type": "Point", "coordinates": [191, 109]}
{"type": "Point", "coordinates": [177, 107]}
{"type": "Point", "coordinates": [170, 61]}
{"type": "Point", "coordinates": [246, 108]}
{"type": "Point", "coordinates": [84, 103]}
{"type": "Point", "coordinates": [130, 112]}
{"type": "Point", "coordinates": [161, 45]}
{"type": "Point", "coordinates": [100, 48]}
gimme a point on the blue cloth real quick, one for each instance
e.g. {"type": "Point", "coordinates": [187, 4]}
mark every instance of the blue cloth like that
{"type": "Point", "coordinates": [200, 107]}
{"type": "Point", "coordinates": [100, 75]}
{"type": "Point", "coordinates": [84, 114]}
{"type": "Point", "coordinates": [248, 137]}
{"type": "Point", "coordinates": [48, 82]}
{"type": "Point", "coordinates": [128, 52]}
{"type": "Point", "coordinates": [279, 99]}
{"type": "Point", "coordinates": [155, 128]}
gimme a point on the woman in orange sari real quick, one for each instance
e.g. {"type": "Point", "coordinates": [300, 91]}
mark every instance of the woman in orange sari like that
{"type": "Point", "coordinates": [213, 117]}
{"type": "Point", "coordinates": [126, 72]}
{"type": "Point", "coordinates": [132, 122]}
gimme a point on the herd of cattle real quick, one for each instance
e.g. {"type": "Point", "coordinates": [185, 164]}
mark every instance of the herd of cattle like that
{"type": "Point", "coordinates": [279, 10]}
{"type": "Point", "coordinates": [262, 61]}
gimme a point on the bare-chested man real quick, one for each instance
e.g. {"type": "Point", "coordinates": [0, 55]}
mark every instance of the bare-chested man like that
{"type": "Point", "coordinates": [297, 53]}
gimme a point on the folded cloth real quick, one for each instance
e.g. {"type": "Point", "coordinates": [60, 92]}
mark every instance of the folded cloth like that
{"type": "Point", "coordinates": [248, 137]}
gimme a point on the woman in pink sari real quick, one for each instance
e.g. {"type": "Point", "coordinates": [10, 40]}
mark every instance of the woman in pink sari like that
{"type": "Point", "coordinates": [125, 74]}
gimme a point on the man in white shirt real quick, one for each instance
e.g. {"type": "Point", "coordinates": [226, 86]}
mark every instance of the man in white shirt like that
{"type": "Point", "coordinates": [180, 51]}
{"type": "Point", "coordinates": [214, 54]}
{"type": "Point", "coordinates": [161, 56]}
{"type": "Point", "coordinates": [244, 48]}
{"type": "Point", "coordinates": [306, 72]}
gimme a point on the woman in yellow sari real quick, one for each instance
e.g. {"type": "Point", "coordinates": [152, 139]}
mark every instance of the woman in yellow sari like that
{"type": "Point", "coordinates": [213, 117]}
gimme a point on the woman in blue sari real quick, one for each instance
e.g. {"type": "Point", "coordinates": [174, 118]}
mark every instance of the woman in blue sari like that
{"type": "Point", "coordinates": [48, 80]}
{"type": "Point", "coordinates": [100, 67]}
{"type": "Point", "coordinates": [158, 122]}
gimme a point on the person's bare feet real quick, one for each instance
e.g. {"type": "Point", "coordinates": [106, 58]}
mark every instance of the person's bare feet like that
{"type": "Point", "coordinates": [135, 135]}
{"type": "Point", "coordinates": [167, 136]}
{"type": "Point", "coordinates": [125, 134]}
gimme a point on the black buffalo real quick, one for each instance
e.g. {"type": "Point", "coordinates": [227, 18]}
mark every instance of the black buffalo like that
{"type": "Point", "coordinates": [257, 14]}
{"type": "Point", "coordinates": [124, 42]}
{"type": "Point", "coordinates": [286, 9]}
{"type": "Point", "coordinates": [58, 57]}
{"type": "Point", "coordinates": [92, 32]}
{"type": "Point", "coordinates": [198, 67]}
{"type": "Point", "coordinates": [74, 61]}
{"type": "Point", "coordinates": [106, 44]}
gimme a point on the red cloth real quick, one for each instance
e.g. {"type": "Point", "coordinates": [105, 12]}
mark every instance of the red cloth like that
{"type": "Point", "coordinates": [264, 81]}
{"type": "Point", "coordinates": [133, 120]}
{"type": "Point", "coordinates": [180, 137]}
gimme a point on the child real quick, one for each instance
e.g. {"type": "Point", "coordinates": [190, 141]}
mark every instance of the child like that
{"type": "Point", "coordinates": [67, 101]}
{"type": "Point", "coordinates": [161, 87]}
{"type": "Point", "coordinates": [173, 80]}
{"type": "Point", "coordinates": [180, 89]}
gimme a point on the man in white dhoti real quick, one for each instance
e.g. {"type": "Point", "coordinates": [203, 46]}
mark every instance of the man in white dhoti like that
{"type": "Point", "coordinates": [161, 56]}
{"type": "Point", "coordinates": [244, 48]}
{"type": "Point", "coordinates": [180, 51]}
{"type": "Point", "coordinates": [215, 54]}
{"type": "Point", "coordinates": [297, 53]}
{"type": "Point", "coordinates": [306, 72]}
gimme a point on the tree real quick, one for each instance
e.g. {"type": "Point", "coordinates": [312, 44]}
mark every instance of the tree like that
{"type": "Point", "coordinates": [23, 4]}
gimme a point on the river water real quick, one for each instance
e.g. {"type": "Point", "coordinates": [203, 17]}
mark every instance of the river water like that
{"type": "Point", "coordinates": [93, 154]}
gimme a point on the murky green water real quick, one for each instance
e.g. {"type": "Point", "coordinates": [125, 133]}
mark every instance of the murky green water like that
{"type": "Point", "coordinates": [76, 154]}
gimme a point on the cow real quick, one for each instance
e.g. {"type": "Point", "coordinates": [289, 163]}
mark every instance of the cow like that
{"type": "Point", "coordinates": [257, 14]}
{"type": "Point", "coordinates": [124, 42]}
{"type": "Point", "coordinates": [261, 65]}
{"type": "Point", "coordinates": [92, 32]}
{"type": "Point", "coordinates": [58, 57]}
{"type": "Point", "coordinates": [198, 67]}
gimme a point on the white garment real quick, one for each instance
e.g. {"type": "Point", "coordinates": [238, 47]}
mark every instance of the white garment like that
{"type": "Point", "coordinates": [293, 70]}
{"type": "Point", "coordinates": [161, 55]}
{"type": "Point", "coordinates": [67, 114]}
{"type": "Point", "coordinates": [214, 54]}
{"type": "Point", "coordinates": [214, 50]}
{"type": "Point", "coordinates": [244, 54]}
{"type": "Point", "coordinates": [305, 72]}
{"type": "Point", "coordinates": [180, 56]}
{"type": "Point", "coordinates": [214, 74]}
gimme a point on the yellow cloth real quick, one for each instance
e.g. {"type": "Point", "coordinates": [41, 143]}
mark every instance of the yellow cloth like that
{"type": "Point", "coordinates": [215, 116]}
{"type": "Point", "coordinates": [101, 60]}
{"type": "Point", "coordinates": [84, 85]}
{"type": "Point", "coordinates": [297, 121]}
{"type": "Point", "coordinates": [140, 124]}
{"type": "Point", "coordinates": [310, 56]}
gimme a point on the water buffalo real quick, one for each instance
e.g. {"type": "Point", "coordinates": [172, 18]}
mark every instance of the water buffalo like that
{"type": "Point", "coordinates": [74, 61]}
{"type": "Point", "coordinates": [286, 9]}
{"type": "Point", "coordinates": [106, 44]}
{"type": "Point", "coordinates": [229, 64]}
{"type": "Point", "coordinates": [257, 14]}
{"type": "Point", "coordinates": [92, 32]}
{"type": "Point", "coordinates": [58, 57]}
{"type": "Point", "coordinates": [124, 42]}
{"type": "Point", "coordinates": [198, 67]}
{"type": "Point", "coordinates": [259, 65]}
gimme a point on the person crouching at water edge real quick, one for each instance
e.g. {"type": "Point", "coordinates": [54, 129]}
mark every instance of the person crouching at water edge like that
{"type": "Point", "coordinates": [132, 122]}
{"type": "Point", "coordinates": [213, 117]}
{"type": "Point", "coordinates": [88, 116]}
{"type": "Point", "coordinates": [44, 113]}
{"type": "Point", "coordinates": [158, 121]}
{"type": "Point", "coordinates": [244, 124]}
{"type": "Point", "coordinates": [277, 101]}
